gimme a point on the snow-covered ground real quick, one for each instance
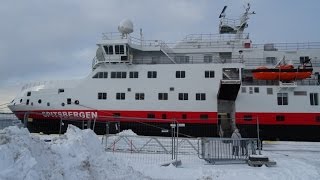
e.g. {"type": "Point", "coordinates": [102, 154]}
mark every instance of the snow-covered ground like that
{"type": "Point", "coordinates": [79, 154]}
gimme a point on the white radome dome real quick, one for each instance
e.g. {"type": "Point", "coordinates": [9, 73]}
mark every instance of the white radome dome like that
{"type": "Point", "coordinates": [125, 26]}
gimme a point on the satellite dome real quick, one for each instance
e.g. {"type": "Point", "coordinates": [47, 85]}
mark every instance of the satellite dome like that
{"type": "Point", "coordinates": [125, 26]}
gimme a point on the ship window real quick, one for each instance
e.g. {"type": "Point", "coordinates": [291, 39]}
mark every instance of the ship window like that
{"type": "Point", "coordinates": [108, 49]}
{"type": "Point", "coordinates": [182, 59]}
{"type": "Point", "coordinates": [119, 49]}
{"type": "Point", "coordinates": [203, 116]}
{"type": "Point", "coordinates": [134, 74]}
{"type": "Point", "coordinates": [163, 96]}
{"type": "Point", "coordinates": [164, 116]}
{"type": "Point", "coordinates": [39, 101]}
{"type": "Point", "coordinates": [77, 101]}
{"type": "Point", "coordinates": [31, 103]}
{"type": "Point", "coordinates": [300, 93]}
{"type": "Point", "coordinates": [121, 96]}
{"type": "Point", "coordinates": [20, 100]}
{"type": "Point", "coordinates": [171, 89]}
{"type": "Point", "coordinates": [247, 117]}
{"type": "Point", "coordinates": [209, 74]}
{"type": "Point", "coordinates": [314, 99]}
{"type": "Point", "coordinates": [180, 74]}
{"type": "Point", "coordinates": [271, 60]}
{"type": "Point", "coordinates": [184, 116]}
{"type": "Point", "coordinates": [243, 89]}
{"type": "Point", "coordinates": [62, 104]}
{"type": "Point", "coordinates": [29, 93]}
{"type": "Point", "coordinates": [60, 91]}
{"type": "Point", "coordinates": [256, 89]}
{"type": "Point", "coordinates": [48, 104]}
{"type": "Point", "coordinates": [200, 96]}
{"type": "Point", "coordinates": [317, 118]}
{"type": "Point", "coordinates": [129, 89]}
{"type": "Point", "coordinates": [269, 91]}
{"type": "Point", "coordinates": [152, 74]}
{"type": "Point", "coordinates": [250, 90]}
{"type": "Point", "coordinates": [151, 116]}
{"type": "Point", "coordinates": [207, 59]}
{"type": "Point", "coordinates": [280, 118]}
{"type": "Point", "coordinates": [68, 100]}
{"type": "Point", "coordinates": [139, 96]}
{"type": "Point", "coordinates": [119, 75]}
{"type": "Point", "coordinates": [282, 98]}
{"type": "Point", "coordinates": [27, 103]}
{"type": "Point", "coordinates": [183, 96]}
{"type": "Point", "coordinates": [102, 95]}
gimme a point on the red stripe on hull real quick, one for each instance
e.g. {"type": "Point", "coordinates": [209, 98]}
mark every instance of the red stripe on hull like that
{"type": "Point", "coordinates": [126, 116]}
{"type": "Point", "coordinates": [271, 118]}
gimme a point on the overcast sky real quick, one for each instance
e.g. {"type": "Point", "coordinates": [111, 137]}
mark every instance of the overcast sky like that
{"type": "Point", "coordinates": [55, 39]}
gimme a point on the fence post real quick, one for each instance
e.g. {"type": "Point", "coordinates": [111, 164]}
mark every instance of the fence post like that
{"type": "Point", "coordinates": [258, 132]}
{"type": "Point", "coordinates": [177, 125]}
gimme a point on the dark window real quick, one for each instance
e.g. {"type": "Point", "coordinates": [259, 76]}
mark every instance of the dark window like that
{"type": "Point", "coordinates": [207, 58]}
{"type": "Point", "coordinates": [164, 116]}
{"type": "Point", "coordinates": [117, 49]}
{"type": "Point", "coordinates": [39, 101]}
{"type": "Point", "coordinates": [209, 74]}
{"type": "Point", "coordinates": [247, 117]}
{"type": "Point", "coordinates": [62, 104]}
{"type": "Point", "coordinates": [163, 96]}
{"type": "Point", "coordinates": [279, 118]}
{"type": "Point", "coordinates": [151, 116]}
{"type": "Point", "coordinates": [139, 96]}
{"type": "Point", "coordinates": [243, 89]}
{"type": "Point", "coordinates": [134, 74]}
{"type": "Point", "coordinates": [152, 74]}
{"type": "Point", "coordinates": [314, 99]}
{"type": "Point", "coordinates": [317, 118]}
{"type": "Point", "coordinates": [102, 95]}
{"type": "Point", "coordinates": [27, 103]}
{"type": "Point", "coordinates": [60, 91]}
{"type": "Point", "coordinates": [48, 104]}
{"type": "Point", "coordinates": [69, 101]}
{"type": "Point", "coordinates": [256, 89]}
{"type": "Point", "coordinates": [108, 49]}
{"type": "Point", "coordinates": [121, 49]}
{"type": "Point", "coordinates": [29, 93]}
{"type": "Point", "coordinates": [120, 96]}
{"type": "Point", "coordinates": [300, 93]}
{"type": "Point", "coordinates": [171, 88]}
{"type": "Point", "coordinates": [282, 98]}
{"type": "Point", "coordinates": [184, 116]}
{"type": "Point", "coordinates": [119, 75]}
{"type": "Point", "coordinates": [129, 89]}
{"type": "Point", "coordinates": [200, 96]}
{"type": "Point", "coordinates": [203, 116]}
{"type": "Point", "coordinates": [180, 74]}
{"type": "Point", "coordinates": [31, 103]}
{"type": "Point", "coordinates": [77, 101]}
{"type": "Point", "coordinates": [183, 96]}
{"type": "Point", "coordinates": [20, 100]}
{"type": "Point", "coordinates": [269, 91]}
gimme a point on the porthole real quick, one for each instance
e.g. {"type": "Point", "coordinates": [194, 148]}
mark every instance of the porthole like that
{"type": "Point", "coordinates": [62, 104]}
{"type": "Point", "coordinates": [39, 101]}
{"type": "Point", "coordinates": [76, 101]}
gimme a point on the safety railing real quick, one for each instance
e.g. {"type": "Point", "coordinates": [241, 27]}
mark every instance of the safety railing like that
{"type": "Point", "coordinates": [214, 150]}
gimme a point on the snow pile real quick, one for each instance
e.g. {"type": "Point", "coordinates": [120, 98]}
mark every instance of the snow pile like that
{"type": "Point", "coordinates": [76, 155]}
{"type": "Point", "coordinates": [127, 132]}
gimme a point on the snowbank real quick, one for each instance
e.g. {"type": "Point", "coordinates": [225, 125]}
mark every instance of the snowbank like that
{"type": "Point", "coordinates": [127, 132]}
{"type": "Point", "coordinates": [76, 155]}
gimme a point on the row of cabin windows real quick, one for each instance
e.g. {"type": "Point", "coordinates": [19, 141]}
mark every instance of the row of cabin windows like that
{"type": "Point", "coordinates": [118, 49]}
{"type": "Point", "coordinates": [183, 116]}
{"type": "Point", "coordinates": [150, 74]}
{"type": "Point", "coordinates": [161, 96]}
{"type": "Point", "coordinates": [278, 118]}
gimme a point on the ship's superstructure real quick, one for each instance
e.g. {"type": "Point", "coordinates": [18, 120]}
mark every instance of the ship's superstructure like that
{"type": "Point", "coordinates": [204, 81]}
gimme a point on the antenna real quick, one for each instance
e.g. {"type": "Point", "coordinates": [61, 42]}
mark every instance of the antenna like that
{"type": "Point", "coordinates": [222, 14]}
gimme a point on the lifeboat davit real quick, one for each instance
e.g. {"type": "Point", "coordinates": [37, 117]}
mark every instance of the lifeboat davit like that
{"type": "Point", "coordinates": [282, 73]}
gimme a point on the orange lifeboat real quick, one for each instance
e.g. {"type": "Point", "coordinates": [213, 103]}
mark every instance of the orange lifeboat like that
{"type": "Point", "coordinates": [282, 73]}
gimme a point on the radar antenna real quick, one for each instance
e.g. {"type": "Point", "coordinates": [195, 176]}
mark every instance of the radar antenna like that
{"type": "Point", "coordinates": [222, 14]}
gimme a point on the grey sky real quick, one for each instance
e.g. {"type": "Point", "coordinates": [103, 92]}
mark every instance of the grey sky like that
{"type": "Point", "coordinates": [55, 39]}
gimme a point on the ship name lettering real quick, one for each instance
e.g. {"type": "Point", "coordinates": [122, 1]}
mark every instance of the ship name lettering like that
{"type": "Point", "coordinates": [81, 114]}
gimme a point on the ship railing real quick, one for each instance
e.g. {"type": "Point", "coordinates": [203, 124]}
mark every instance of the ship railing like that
{"type": "Point", "coordinates": [65, 83]}
{"type": "Point", "coordinates": [305, 82]}
{"type": "Point", "coordinates": [191, 60]}
{"type": "Point", "coordinates": [215, 37]}
{"type": "Point", "coordinates": [287, 46]}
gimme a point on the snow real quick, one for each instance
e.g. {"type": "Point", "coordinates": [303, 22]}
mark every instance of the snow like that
{"type": "Point", "coordinates": [79, 154]}
{"type": "Point", "coordinates": [127, 132]}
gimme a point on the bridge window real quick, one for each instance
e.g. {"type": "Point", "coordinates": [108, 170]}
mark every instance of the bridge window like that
{"type": "Point", "coordinates": [121, 96]}
{"type": "Point", "coordinates": [209, 74]}
{"type": "Point", "coordinates": [134, 74]}
{"type": "Point", "coordinates": [314, 99]}
{"type": "Point", "coordinates": [183, 96]}
{"type": "Point", "coordinates": [108, 49]}
{"type": "Point", "coordinates": [119, 75]}
{"type": "Point", "coordinates": [200, 96]}
{"type": "Point", "coordinates": [180, 74]}
{"type": "Point", "coordinates": [163, 96]}
{"type": "Point", "coordinates": [152, 74]}
{"type": "Point", "coordinates": [282, 98]}
{"type": "Point", "coordinates": [102, 95]}
{"type": "Point", "coordinates": [101, 75]}
{"type": "Point", "coordinates": [119, 49]}
{"type": "Point", "coordinates": [139, 96]}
